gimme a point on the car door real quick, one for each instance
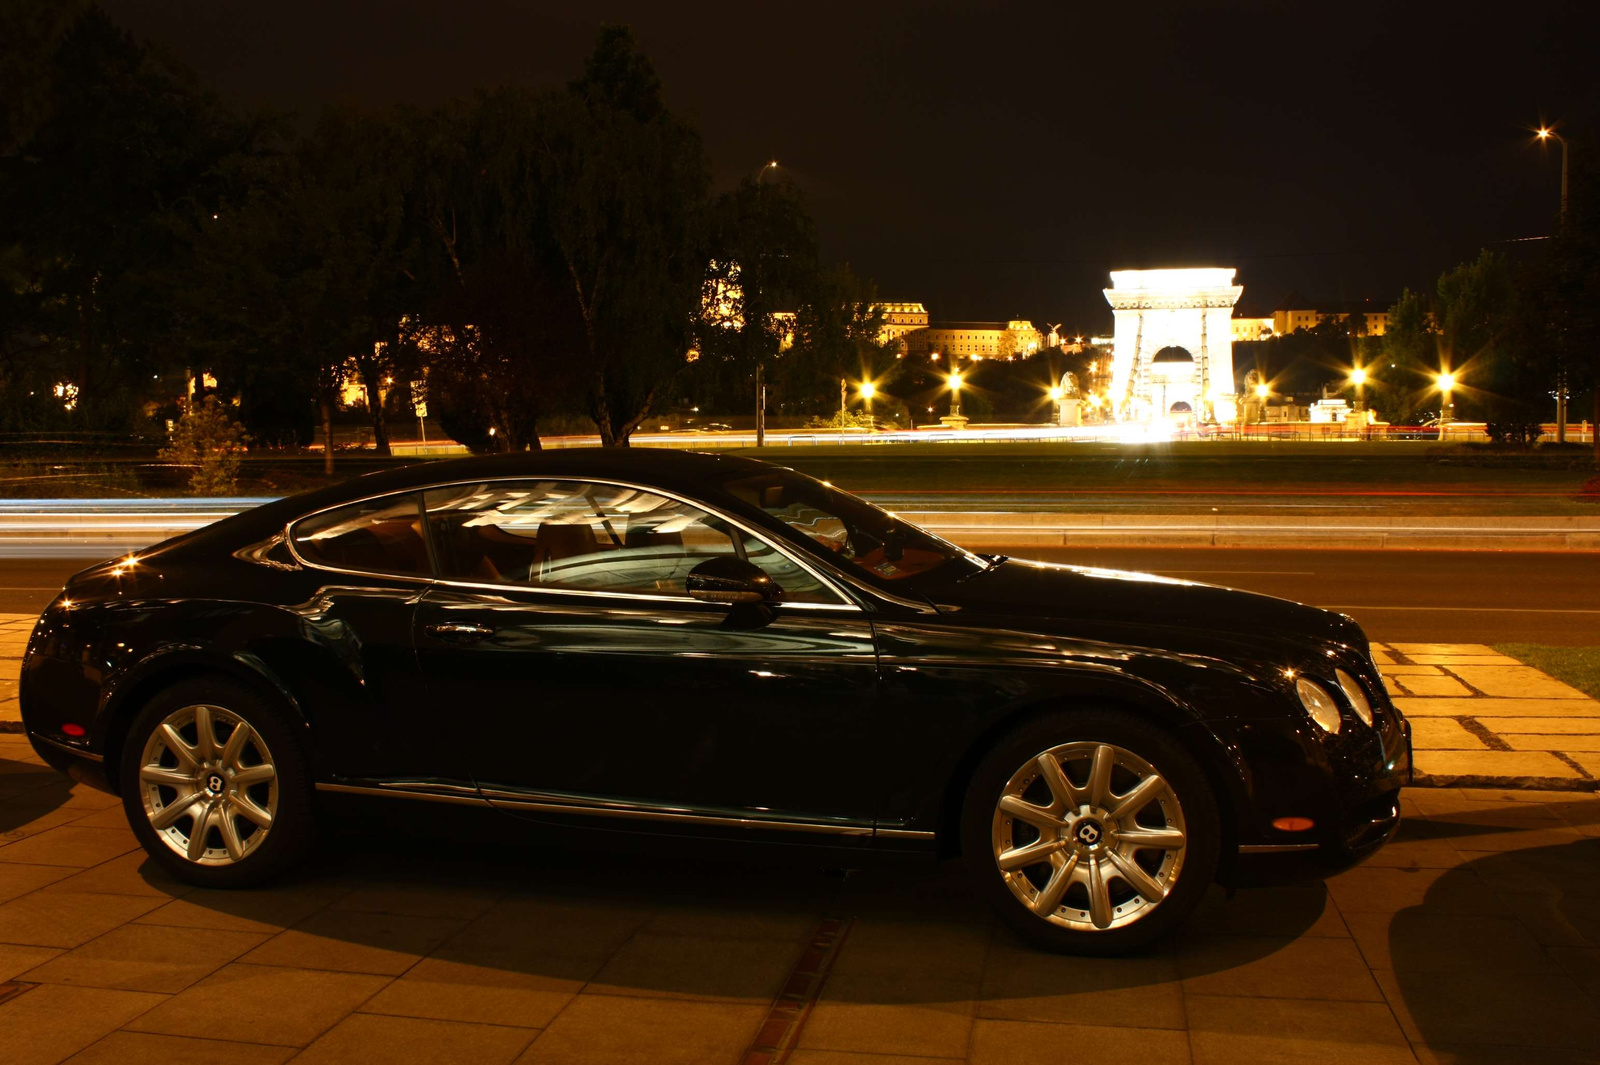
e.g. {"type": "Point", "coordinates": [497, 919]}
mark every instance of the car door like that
{"type": "Point", "coordinates": [561, 636]}
{"type": "Point", "coordinates": [367, 566]}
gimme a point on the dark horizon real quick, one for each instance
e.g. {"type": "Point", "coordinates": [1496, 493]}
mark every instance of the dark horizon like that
{"type": "Point", "coordinates": [999, 163]}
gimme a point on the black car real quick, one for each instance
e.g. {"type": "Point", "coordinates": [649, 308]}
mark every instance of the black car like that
{"type": "Point", "coordinates": [712, 646]}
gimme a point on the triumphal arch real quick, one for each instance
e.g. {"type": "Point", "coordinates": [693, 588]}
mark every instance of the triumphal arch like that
{"type": "Point", "coordinates": [1173, 347]}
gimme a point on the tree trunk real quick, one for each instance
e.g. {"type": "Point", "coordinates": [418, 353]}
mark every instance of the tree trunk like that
{"type": "Point", "coordinates": [761, 407]}
{"type": "Point", "coordinates": [327, 433]}
{"type": "Point", "coordinates": [380, 425]}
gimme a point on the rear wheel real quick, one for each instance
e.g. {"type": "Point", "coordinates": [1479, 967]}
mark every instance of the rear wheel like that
{"type": "Point", "coordinates": [216, 786]}
{"type": "Point", "coordinates": [1092, 832]}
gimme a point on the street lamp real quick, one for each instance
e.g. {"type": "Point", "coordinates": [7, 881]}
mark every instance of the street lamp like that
{"type": "Point", "coordinates": [773, 165]}
{"type": "Point", "coordinates": [1445, 382]}
{"type": "Point", "coordinates": [1057, 395]}
{"type": "Point", "coordinates": [954, 381]}
{"type": "Point", "coordinates": [1545, 133]}
{"type": "Point", "coordinates": [1358, 377]}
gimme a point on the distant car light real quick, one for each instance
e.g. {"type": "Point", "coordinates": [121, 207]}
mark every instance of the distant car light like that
{"type": "Point", "coordinates": [1357, 697]}
{"type": "Point", "coordinates": [1319, 704]}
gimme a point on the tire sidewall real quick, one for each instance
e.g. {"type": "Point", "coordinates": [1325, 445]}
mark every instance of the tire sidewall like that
{"type": "Point", "coordinates": [1149, 741]}
{"type": "Point", "coordinates": [290, 836]}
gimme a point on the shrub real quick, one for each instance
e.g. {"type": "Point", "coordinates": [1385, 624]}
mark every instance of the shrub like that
{"type": "Point", "coordinates": [207, 438]}
{"type": "Point", "coordinates": [1514, 433]}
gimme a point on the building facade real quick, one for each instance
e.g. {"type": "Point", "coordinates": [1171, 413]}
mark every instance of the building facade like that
{"type": "Point", "coordinates": [1298, 312]}
{"type": "Point", "coordinates": [1015, 339]}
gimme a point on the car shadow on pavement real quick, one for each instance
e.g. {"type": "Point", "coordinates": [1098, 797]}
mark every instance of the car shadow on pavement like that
{"type": "Point", "coordinates": [28, 793]}
{"type": "Point", "coordinates": [673, 919]}
{"type": "Point", "coordinates": [1500, 962]}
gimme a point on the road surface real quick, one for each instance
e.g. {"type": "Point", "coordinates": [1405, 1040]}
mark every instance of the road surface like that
{"type": "Point", "coordinates": [1451, 596]}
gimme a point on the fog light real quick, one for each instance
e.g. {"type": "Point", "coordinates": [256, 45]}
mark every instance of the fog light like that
{"type": "Point", "coordinates": [70, 729]}
{"type": "Point", "coordinates": [1357, 697]}
{"type": "Point", "coordinates": [1319, 704]}
{"type": "Point", "coordinates": [1294, 824]}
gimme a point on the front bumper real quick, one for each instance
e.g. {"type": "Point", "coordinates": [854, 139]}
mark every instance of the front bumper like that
{"type": "Point", "coordinates": [1347, 786]}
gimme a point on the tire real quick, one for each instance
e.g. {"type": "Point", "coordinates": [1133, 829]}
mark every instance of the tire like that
{"type": "Point", "coordinates": [1081, 845]}
{"type": "Point", "coordinates": [257, 800]}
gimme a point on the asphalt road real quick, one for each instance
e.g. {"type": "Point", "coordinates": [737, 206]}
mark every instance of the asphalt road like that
{"type": "Point", "coordinates": [1451, 596]}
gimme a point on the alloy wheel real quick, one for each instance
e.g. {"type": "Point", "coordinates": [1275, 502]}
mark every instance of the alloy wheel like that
{"type": "Point", "coordinates": [209, 785]}
{"type": "Point", "coordinates": [1089, 836]}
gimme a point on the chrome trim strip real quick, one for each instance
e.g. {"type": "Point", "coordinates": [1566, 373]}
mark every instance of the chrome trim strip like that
{"type": "Point", "coordinates": [831, 582]}
{"type": "Point", "coordinates": [902, 833]}
{"type": "Point", "coordinates": [1275, 848]}
{"type": "Point", "coordinates": [584, 806]}
{"type": "Point", "coordinates": [404, 793]}
{"type": "Point", "coordinates": [89, 756]}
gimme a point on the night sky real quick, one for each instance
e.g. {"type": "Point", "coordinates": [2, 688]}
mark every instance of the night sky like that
{"type": "Point", "coordinates": [996, 160]}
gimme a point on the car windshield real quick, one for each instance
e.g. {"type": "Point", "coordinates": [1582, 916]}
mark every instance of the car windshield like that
{"type": "Point", "coordinates": [852, 532]}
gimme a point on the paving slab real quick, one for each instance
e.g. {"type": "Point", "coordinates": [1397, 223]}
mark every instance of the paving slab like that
{"type": "Point", "coordinates": [1479, 768]}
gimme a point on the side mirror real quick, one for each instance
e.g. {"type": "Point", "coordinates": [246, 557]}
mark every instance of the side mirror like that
{"type": "Point", "coordinates": [729, 579]}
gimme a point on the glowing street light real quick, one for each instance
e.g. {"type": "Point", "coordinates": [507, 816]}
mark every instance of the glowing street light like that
{"type": "Point", "coordinates": [1445, 381]}
{"type": "Point", "coordinates": [1358, 377]}
{"type": "Point", "coordinates": [1546, 133]}
{"type": "Point", "coordinates": [954, 381]}
{"type": "Point", "coordinates": [867, 390]}
{"type": "Point", "coordinates": [772, 165]}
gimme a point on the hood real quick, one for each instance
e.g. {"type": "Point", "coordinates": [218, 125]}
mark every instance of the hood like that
{"type": "Point", "coordinates": [1024, 589]}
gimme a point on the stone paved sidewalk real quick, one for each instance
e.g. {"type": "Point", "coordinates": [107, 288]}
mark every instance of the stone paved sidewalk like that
{"type": "Point", "coordinates": [1473, 938]}
{"type": "Point", "coordinates": [1482, 718]}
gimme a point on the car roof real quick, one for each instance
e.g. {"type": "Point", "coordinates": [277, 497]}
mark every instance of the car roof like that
{"type": "Point", "coordinates": [690, 472]}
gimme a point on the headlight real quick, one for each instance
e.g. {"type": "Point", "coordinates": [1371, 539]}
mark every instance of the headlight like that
{"type": "Point", "coordinates": [1319, 704]}
{"type": "Point", "coordinates": [1357, 697]}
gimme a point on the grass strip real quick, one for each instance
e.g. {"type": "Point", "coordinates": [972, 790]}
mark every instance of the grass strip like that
{"type": "Point", "coordinates": [1577, 666]}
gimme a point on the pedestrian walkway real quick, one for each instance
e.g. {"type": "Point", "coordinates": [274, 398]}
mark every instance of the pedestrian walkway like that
{"type": "Point", "coordinates": [1480, 718]}
{"type": "Point", "coordinates": [1472, 938]}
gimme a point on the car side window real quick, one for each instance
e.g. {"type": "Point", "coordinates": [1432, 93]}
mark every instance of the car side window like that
{"type": "Point", "coordinates": [376, 536]}
{"type": "Point", "coordinates": [589, 537]}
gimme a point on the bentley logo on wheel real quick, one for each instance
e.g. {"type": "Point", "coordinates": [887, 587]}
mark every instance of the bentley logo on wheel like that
{"type": "Point", "coordinates": [1088, 833]}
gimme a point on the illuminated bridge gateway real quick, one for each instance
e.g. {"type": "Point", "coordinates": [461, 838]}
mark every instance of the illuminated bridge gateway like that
{"type": "Point", "coordinates": [1173, 347]}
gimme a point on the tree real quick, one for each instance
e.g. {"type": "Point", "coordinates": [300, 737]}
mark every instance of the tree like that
{"type": "Point", "coordinates": [115, 151]}
{"type": "Point", "coordinates": [837, 330]}
{"type": "Point", "coordinates": [763, 258]}
{"type": "Point", "coordinates": [207, 439]}
{"type": "Point", "coordinates": [626, 186]}
{"type": "Point", "coordinates": [1410, 350]}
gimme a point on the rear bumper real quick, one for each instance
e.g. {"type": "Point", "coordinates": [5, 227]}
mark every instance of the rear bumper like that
{"type": "Point", "coordinates": [84, 766]}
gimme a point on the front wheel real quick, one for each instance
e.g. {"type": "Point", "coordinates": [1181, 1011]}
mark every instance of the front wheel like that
{"type": "Point", "coordinates": [1091, 832]}
{"type": "Point", "coordinates": [216, 786]}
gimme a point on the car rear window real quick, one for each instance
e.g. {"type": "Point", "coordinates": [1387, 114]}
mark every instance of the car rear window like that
{"type": "Point", "coordinates": [374, 536]}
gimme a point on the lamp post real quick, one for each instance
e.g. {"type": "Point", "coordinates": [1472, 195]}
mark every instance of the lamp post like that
{"type": "Point", "coordinates": [954, 381]}
{"type": "Point", "coordinates": [1545, 133]}
{"type": "Point", "coordinates": [1446, 381]}
{"type": "Point", "coordinates": [772, 165]}
{"type": "Point", "coordinates": [1262, 392]}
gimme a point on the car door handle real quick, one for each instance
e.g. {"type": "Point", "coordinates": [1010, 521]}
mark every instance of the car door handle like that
{"type": "Point", "coordinates": [459, 631]}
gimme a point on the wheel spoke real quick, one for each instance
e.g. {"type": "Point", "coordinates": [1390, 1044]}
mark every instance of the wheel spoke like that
{"type": "Point", "coordinates": [164, 818]}
{"type": "Point", "coordinates": [248, 809]}
{"type": "Point", "coordinates": [1032, 854]}
{"type": "Point", "coordinates": [1024, 810]}
{"type": "Point", "coordinates": [230, 834]}
{"type": "Point", "coordinates": [1061, 789]}
{"type": "Point", "coordinates": [1099, 891]}
{"type": "Point", "coordinates": [174, 778]}
{"type": "Point", "coordinates": [1049, 897]}
{"type": "Point", "coordinates": [1138, 798]}
{"type": "Point", "coordinates": [184, 753]}
{"type": "Point", "coordinates": [1137, 878]}
{"type": "Point", "coordinates": [197, 834]}
{"type": "Point", "coordinates": [254, 774]}
{"type": "Point", "coordinates": [205, 734]}
{"type": "Point", "coordinates": [1100, 776]}
{"type": "Point", "coordinates": [235, 745]}
{"type": "Point", "coordinates": [1166, 839]}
